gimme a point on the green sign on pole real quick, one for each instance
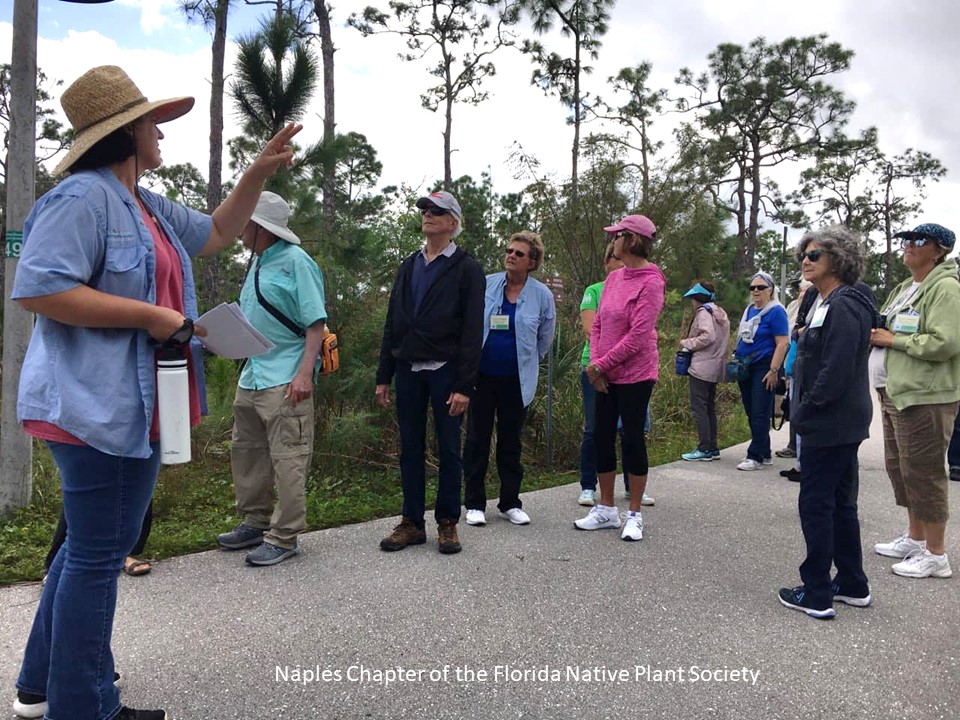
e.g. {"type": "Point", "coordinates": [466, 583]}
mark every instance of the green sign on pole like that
{"type": "Point", "coordinates": [14, 243]}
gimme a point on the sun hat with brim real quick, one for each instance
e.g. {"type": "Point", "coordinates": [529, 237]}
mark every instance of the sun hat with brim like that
{"type": "Point", "coordinates": [699, 289]}
{"type": "Point", "coordinates": [272, 214]}
{"type": "Point", "coordinates": [931, 231]}
{"type": "Point", "coordinates": [105, 99]}
{"type": "Point", "coordinates": [637, 224]}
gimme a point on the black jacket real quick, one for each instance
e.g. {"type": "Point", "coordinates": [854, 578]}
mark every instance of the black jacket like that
{"type": "Point", "coordinates": [832, 388]}
{"type": "Point", "coordinates": [448, 326]}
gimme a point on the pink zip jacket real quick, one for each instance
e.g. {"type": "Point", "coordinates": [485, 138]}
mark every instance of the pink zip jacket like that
{"type": "Point", "coordinates": [623, 341]}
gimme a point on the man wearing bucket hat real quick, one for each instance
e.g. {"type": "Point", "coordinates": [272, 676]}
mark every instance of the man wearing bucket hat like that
{"type": "Point", "coordinates": [273, 414]}
{"type": "Point", "coordinates": [106, 268]}
{"type": "Point", "coordinates": [432, 342]}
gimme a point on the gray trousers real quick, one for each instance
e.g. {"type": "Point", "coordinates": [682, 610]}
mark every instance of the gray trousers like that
{"type": "Point", "coordinates": [703, 404]}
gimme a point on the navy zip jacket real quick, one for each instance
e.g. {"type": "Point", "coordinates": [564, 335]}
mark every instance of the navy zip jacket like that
{"type": "Point", "coordinates": [832, 392]}
{"type": "Point", "coordinates": [448, 325]}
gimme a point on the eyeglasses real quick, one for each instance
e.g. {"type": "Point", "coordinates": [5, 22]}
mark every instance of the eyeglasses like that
{"type": "Point", "coordinates": [623, 234]}
{"type": "Point", "coordinates": [916, 242]}
{"type": "Point", "coordinates": [434, 211]}
{"type": "Point", "coordinates": [812, 255]}
{"type": "Point", "coordinates": [513, 251]}
{"type": "Point", "coordinates": [759, 288]}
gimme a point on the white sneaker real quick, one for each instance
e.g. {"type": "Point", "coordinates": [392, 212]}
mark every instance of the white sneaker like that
{"type": "Point", "coordinates": [633, 527]}
{"type": "Point", "coordinates": [924, 563]}
{"type": "Point", "coordinates": [647, 500]}
{"type": "Point", "coordinates": [768, 461]}
{"type": "Point", "coordinates": [600, 517]}
{"type": "Point", "coordinates": [516, 516]}
{"type": "Point", "coordinates": [476, 517]}
{"type": "Point", "coordinates": [586, 498]}
{"type": "Point", "coordinates": [901, 547]}
{"type": "Point", "coordinates": [749, 464]}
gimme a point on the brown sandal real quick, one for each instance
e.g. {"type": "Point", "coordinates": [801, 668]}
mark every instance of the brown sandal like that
{"type": "Point", "coordinates": [136, 568]}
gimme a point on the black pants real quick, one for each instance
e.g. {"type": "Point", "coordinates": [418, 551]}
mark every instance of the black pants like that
{"type": "Point", "coordinates": [500, 397]}
{"type": "Point", "coordinates": [60, 534]}
{"type": "Point", "coordinates": [829, 485]}
{"type": "Point", "coordinates": [628, 403]}
{"type": "Point", "coordinates": [703, 405]}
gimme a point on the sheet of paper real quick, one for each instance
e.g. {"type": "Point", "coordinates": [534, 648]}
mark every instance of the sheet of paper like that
{"type": "Point", "coordinates": [230, 334]}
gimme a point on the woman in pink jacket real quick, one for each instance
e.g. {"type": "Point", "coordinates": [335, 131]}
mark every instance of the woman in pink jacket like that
{"type": "Point", "coordinates": [709, 341]}
{"type": "Point", "coordinates": [623, 369]}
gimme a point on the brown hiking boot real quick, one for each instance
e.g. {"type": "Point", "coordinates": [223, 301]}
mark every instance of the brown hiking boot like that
{"type": "Point", "coordinates": [449, 542]}
{"type": "Point", "coordinates": [406, 533]}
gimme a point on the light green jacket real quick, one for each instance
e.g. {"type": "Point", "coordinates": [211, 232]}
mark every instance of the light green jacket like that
{"type": "Point", "coordinates": [923, 368]}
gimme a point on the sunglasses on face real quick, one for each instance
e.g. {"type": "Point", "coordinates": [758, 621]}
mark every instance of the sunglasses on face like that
{"type": "Point", "coordinates": [623, 234]}
{"type": "Point", "coordinates": [759, 288]}
{"type": "Point", "coordinates": [916, 242]}
{"type": "Point", "coordinates": [434, 211]}
{"type": "Point", "coordinates": [813, 255]}
{"type": "Point", "coordinates": [518, 253]}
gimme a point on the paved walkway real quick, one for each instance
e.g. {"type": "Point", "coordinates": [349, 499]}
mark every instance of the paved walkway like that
{"type": "Point", "coordinates": [543, 621]}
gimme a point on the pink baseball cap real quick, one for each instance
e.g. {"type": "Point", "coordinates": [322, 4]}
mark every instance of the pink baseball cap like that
{"type": "Point", "coordinates": [637, 224]}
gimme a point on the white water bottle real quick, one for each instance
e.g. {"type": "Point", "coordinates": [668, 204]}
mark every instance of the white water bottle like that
{"type": "Point", "coordinates": [173, 402]}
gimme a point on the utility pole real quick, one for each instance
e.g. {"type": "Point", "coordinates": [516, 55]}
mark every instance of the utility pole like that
{"type": "Point", "coordinates": [15, 450]}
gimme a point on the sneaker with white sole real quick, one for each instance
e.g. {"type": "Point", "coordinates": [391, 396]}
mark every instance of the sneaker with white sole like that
{"type": "Point", "coordinates": [768, 461]}
{"type": "Point", "coordinates": [516, 516]}
{"type": "Point", "coordinates": [632, 527]}
{"type": "Point", "coordinates": [749, 464]}
{"type": "Point", "coordinates": [600, 517]}
{"type": "Point", "coordinates": [923, 564]}
{"type": "Point", "coordinates": [797, 599]}
{"type": "Point", "coordinates": [699, 456]}
{"type": "Point", "coordinates": [853, 600]}
{"type": "Point", "coordinates": [647, 501]}
{"type": "Point", "coordinates": [476, 517]}
{"type": "Point", "coordinates": [901, 547]}
{"type": "Point", "coordinates": [29, 705]}
{"type": "Point", "coordinates": [586, 498]}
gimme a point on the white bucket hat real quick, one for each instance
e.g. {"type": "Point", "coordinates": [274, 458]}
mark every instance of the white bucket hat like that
{"type": "Point", "coordinates": [272, 213]}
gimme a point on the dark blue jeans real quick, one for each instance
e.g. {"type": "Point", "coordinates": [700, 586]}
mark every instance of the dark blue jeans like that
{"type": "Point", "coordinates": [588, 449]}
{"type": "Point", "coordinates": [68, 656]}
{"type": "Point", "coordinates": [758, 404]}
{"type": "Point", "coordinates": [953, 452]}
{"type": "Point", "coordinates": [829, 485]}
{"type": "Point", "coordinates": [415, 392]}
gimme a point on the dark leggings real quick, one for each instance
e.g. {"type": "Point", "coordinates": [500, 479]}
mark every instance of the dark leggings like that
{"type": "Point", "coordinates": [628, 402]}
{"type": "Point", "coordinates": [60, 534]}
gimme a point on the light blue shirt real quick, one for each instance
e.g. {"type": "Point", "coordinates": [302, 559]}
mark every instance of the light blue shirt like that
{"type": "Point", "coordinates": [98, 384]}
{"type": "Point", "coordinates": [536, 319]}
{"type": "Point", "coordinates": [290, 281]}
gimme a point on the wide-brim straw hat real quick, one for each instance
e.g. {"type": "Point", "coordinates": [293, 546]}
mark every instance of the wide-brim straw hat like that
{"type": "Point", "coordinates": [105, 99]}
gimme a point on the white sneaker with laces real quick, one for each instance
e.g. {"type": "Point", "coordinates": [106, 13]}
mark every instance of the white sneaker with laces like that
{"type": "Point", "coordinates": [632, 527]}
{"type": "Point", "coordinates": [600, 517]}
{"type": "Point", "coordinates": [516, 516]}
{"type": "Point", "coordinates": [586, 498]}
{"type": "Point", "coordinates": [476, 517]}
{"type": "Point", "coordinates": [647, 501]}
{"type": "Point", "coordinates": [901, 547]}
{"type": "Point", "coordinates": [749, 464]}
{"type": "Point", "coordinates": [922, 564]}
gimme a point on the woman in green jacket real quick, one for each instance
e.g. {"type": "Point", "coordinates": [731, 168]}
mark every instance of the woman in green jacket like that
{"type": "Point", "coordinates": [915, 366]}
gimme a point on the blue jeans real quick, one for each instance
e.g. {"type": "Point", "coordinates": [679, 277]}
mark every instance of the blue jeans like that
{"type": "Point", "coordinates": [953, 452]}
{"type": "Point", "coordinates": [415, 391]}
{"type": "Point", "coordinates": [68, 656]}
{"type": "Point", "coordinates": [758, 404]}
{"type": "Point", "coordinates": [588, 449]}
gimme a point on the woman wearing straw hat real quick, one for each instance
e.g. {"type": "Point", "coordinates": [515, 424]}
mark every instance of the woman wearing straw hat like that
{"type": "Point", "coordinates": [106, 268]}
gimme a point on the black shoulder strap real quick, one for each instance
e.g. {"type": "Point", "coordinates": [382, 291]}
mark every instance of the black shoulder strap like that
{"type": "Point", "coordinates": [287, 322]}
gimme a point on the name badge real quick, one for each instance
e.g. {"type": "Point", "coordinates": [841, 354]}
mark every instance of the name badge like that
{"type": "Point", "coordinates": [499, 322]}
{"type": "Point", "coordinates": [906, 322]}
{"type": "Point", "coordinates": [819, 316]}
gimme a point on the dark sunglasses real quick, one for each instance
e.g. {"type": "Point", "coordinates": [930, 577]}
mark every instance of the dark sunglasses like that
{"type": "Point", "coordinates": [916, 242]}
{"type": "Point", "coordinates": [434, 211]}
{"type": "Point", "coordinates": [759, 288]}
{"type": "Point", "coordinates": [518, 253]}
{"type": "Point", "coordinates": [813, 255]}
{"type": "Point", "coordinates": [624, 234]}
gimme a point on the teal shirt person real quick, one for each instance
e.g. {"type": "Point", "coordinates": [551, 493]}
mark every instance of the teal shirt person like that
{"type": "Point", "coordinates": [290, 281]}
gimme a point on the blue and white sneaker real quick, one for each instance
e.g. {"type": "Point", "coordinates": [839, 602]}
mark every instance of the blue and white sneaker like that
{"type": "Point", "coordinates": [855, 601]}
{"type": "Point", "coordinates": [796, 599]}
{"type": "Point", "coordinates": [700, 456]}
{"type": "Point", "coordinates": [586, 498]}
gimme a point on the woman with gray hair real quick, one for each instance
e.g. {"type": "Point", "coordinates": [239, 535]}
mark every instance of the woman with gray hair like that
{"type": "Point", "coordinates": [763, 339]}
{"type": "Point", "coordinates": [831, 412]}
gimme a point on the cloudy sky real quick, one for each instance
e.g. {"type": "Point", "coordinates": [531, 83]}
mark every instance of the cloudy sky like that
{"type": "Point", "coordinates": [904, 77]}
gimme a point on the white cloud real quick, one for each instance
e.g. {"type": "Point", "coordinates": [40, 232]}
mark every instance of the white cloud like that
{"type": "Point", "coordinates": [154, 14]}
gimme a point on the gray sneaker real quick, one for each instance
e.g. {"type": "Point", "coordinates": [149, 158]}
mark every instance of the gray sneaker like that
{"type": "Point", "coordinates": [268, 554]}
{"type": "Point", "coordinates": [240, 537]}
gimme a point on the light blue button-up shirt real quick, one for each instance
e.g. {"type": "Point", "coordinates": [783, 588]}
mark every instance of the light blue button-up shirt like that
{"type": "Point", "coordinates": [535, 320]}
{"type": "Point", "coordinates": [98, 384]}
{"type": "Point", "coordinates": [290, 281]}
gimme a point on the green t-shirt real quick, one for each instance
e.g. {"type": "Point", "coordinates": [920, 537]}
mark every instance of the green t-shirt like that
{"type": "Point", "coordinates": [591, 301]}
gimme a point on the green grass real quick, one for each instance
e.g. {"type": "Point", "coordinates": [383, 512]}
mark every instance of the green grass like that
{"type": "Point", "coordinates": [195, 502]}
